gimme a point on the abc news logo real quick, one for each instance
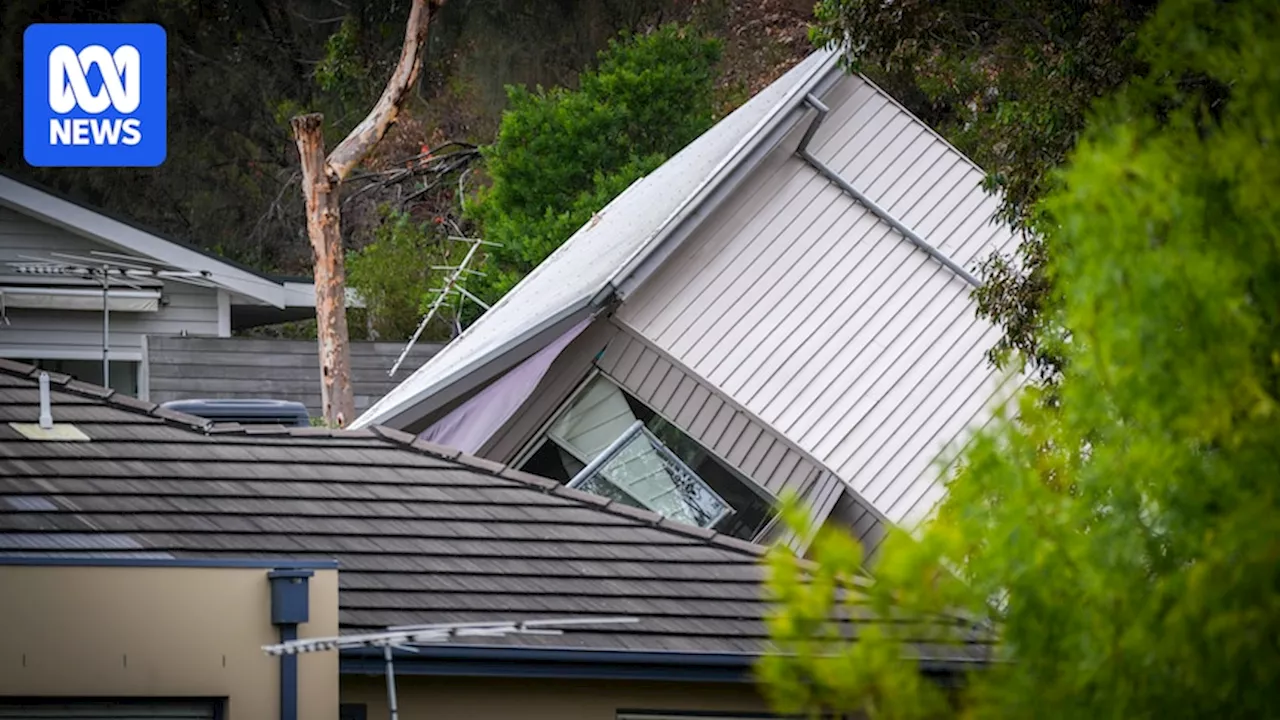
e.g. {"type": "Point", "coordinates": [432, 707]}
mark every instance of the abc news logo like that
{"type": "Point", "coordinates": [94, 95]}
{"type": "Point", "coordinates": [69, 89]}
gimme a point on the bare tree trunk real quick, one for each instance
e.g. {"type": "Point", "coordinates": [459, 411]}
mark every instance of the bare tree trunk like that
{"type": "Point", "coordinates": [321, 180]}
{"type": "Point", "coordinates": [325, 230]}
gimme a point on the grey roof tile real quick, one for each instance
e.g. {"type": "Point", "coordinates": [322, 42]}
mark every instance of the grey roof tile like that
{"type": "Point", "coordinates": [421, 533]}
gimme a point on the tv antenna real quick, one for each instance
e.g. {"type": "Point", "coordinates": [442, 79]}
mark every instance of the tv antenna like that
{"type": "Point", "coordinates": [409, 637]}
{"type": "Point", "coordinates": [452, 287]}
{"type": "Point", "coordinates": [108, 270]}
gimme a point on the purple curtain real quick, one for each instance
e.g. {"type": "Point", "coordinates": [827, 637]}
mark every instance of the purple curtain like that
{"type": "Point", "coordinates": [476, 420]}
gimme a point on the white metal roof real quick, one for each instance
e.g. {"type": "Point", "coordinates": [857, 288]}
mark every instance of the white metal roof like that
{"type": "Point", "coordinates": [603, 252]}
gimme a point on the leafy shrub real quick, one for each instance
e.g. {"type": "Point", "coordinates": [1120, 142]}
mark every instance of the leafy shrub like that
{"type": "Point", "coordinates": [393, 274]}
{"type": "Point", "coordinates": [562, 154]}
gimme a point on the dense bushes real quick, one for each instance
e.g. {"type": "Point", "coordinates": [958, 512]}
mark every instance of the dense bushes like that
{"type": "Point", "coordinates": [562, 154]}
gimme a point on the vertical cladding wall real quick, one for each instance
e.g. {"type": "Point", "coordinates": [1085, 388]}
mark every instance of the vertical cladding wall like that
{"type": "Point", "coordinates": [78, 334]}
{"type": "Point", "coordinates": [724, 427]}
{"type": "Point", "coordinates": [819, 318]}
{"type": "Point", "coordinates": [715, 421]}
{"type": "Point", "coordinates": [159, 632]}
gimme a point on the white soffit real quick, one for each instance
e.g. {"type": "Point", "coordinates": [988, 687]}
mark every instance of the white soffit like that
{"type": "Point", "coordinates": [612, 241]}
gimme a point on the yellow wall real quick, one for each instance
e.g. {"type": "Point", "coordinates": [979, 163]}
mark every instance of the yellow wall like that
{"type": "Point", "coordinates": [441, 698]}
{"type": "Point", "coordinates": [159, 632]}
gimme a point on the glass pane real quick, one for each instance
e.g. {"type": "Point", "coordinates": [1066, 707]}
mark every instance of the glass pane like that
{"type": "Point", "coordinates": [663, 469]}
{"type": "Point", "coordinates": [596, 417]}
{"type": "Point", "coordinates": [644, 474]}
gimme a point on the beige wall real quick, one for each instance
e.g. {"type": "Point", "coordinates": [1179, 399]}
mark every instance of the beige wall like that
{"type": "Point", "coordinates": [442, 698]}
{"type": "Point", "coordinates": [159, 631]}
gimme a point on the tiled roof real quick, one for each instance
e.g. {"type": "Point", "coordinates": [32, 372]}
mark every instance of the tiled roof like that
{"type": "Point", "coordinates": [421, 534]}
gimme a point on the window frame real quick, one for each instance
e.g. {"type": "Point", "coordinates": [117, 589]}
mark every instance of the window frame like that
{"type": "Point", "coordinates": [542, 435]}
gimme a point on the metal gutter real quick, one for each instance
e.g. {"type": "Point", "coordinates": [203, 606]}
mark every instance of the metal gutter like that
{"type": "Point", "coordinates": [562, 663]}
{"type": "Point", "coordinates": [70, 561]}
{"type": "Point", "coordinates": [829, 173]}
{"type": "Point", "coordinates": [490, 661]}
{"type": "Point", "coordinates": [624, 278]}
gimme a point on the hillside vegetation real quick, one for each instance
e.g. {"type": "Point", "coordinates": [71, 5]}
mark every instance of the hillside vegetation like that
{"type": "Point", "coordinates": [238, 70]}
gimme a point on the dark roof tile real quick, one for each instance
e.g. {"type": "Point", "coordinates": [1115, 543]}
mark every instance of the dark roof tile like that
{"type": "Point", "coordinates": [15, 368]}
{"type": "Point", "coordinates": [421, 533]}
{"type": "Point", "coordinates": [131, 403]}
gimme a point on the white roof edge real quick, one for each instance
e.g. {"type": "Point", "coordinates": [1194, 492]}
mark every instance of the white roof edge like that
{"type": "Point", "coordinates": [381, 416]}
{"type": "Point", "coordinates": [82, 221]}
{"type": "Point", "coordinates": [724, 169]}
{"type": "Point", "coordinates": [824, 61]}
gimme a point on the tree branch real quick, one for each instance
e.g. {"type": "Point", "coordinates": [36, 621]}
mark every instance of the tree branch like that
{"type": "Point", "coordinates": [359, 141]}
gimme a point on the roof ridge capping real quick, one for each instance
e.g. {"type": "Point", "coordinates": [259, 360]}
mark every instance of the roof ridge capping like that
{"type": "Point", "coordinates": [546, 485]}
{"type": "Point", "coordinates": [128, 403]}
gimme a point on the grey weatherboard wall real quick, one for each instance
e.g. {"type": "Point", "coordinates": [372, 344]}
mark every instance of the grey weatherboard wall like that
{"type": "Point", "coordinates": [78, 334]}
{"type": "Point", "coordinates": [715, 421]}
{"type": "Point", "coordinates": [182, 368]}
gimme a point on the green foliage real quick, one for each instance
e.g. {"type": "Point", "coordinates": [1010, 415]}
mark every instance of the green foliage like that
{"type": "Point", "coordinates": [340, 66]}
{"type": "Point", "coordinates": [393, 275]}
{"type": "Point", "coordinates": [563, 154]}
{"type": "Point", "coordinates": [1011, 85]}
{"type": "Point", "coordinates": [816, 670]}
{"type": "Point", "coordinates": [1124, 540]}
{"type": "Point", "coordinates": [240, 69]}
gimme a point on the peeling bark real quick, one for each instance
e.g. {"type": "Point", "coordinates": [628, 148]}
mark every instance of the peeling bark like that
{"type": "Point", "coordinates": [321, 180]}
{"type": "Point", "coordinates": [325, 231]}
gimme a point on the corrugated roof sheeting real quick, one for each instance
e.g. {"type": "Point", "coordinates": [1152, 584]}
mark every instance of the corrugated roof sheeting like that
{"type": "Point", "coordinates": [817, 316]}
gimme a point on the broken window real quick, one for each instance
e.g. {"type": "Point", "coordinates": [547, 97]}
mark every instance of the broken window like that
{"type": "Point", "coordinates": [606, 442]}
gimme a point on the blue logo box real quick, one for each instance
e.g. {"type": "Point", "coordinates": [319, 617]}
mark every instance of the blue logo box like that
{"type": "Point", "coordinates": [94, 95]}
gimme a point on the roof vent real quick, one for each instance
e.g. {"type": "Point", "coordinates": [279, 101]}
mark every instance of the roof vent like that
{"type": "Point", "coordinates": [46, 410]}
{"type": "Point", "coordinates": [44, 428]}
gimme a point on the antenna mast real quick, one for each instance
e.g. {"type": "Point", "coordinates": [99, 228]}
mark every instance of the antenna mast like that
{"type": "Point", "coordinates": [451, 287]}
{"type": "Point", "coordinates": [108, 269]}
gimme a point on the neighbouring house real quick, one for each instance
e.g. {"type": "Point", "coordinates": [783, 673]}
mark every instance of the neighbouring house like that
{"type": "Point", "coordinates": [169, 336]}
{"type": "Point", "coordinates": [782, 307]}
{"type": "Point", "coordinates": [55, 317]}
{"type": "Point", "coordinates": [147, 557]}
